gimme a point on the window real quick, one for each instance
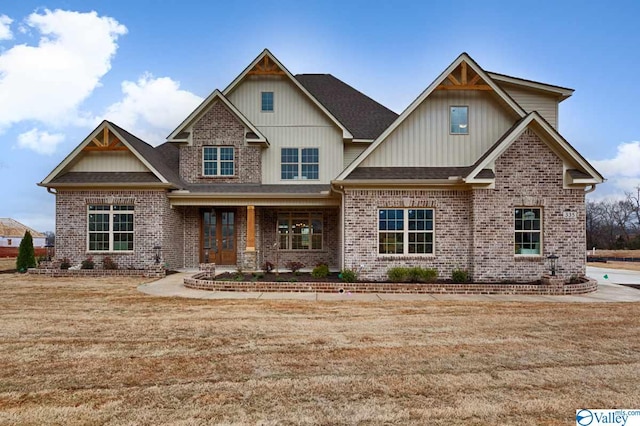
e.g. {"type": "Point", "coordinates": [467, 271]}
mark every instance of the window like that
{"type": "Point", "coordinates": [405, 231]}
{"type": "Point", "coordinates": [299, 163]}
{"type": "Point", "coordinates": [528, 231]}
{"type": "Point", "coordinates": [300, 231]}
{"type": "Point", "coordinates": [8, 241]}
{"type": "Point", "coordinates": [267, 101]}
{"type": "Point", "coordinates": [110, 228]}
{"type": "Point", "coordinates": [217, 161]}
{"type": "Point", "coordinates": [459, 120]}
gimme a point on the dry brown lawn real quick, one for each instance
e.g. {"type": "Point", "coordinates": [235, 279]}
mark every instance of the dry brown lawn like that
{"type": "Point", "coordinates": [7, 263]}
{"type": "Point", "coordinates": [615, 253]}
{"type": "Point", "coordinates": [77, 351]}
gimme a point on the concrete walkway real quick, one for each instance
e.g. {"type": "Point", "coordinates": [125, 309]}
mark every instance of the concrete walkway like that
{"type": "Point", "coordinates": [609, 290]}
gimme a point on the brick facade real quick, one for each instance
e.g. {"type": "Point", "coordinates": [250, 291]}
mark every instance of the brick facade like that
{"type": "Point", "coordinates": [474, 229]}
{"type": "Point", "coordinates": [219, 127]}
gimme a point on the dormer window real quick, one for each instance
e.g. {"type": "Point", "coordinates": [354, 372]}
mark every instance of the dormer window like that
{"type": "Point", "coordinates": [267, 101]}
{"type": "Point", "coordinates": [459, 120]}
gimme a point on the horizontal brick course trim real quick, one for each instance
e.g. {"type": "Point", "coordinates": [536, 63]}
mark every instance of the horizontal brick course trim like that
{"type": "Point", "coordinates": [200, 282]}
{"type": "Point", "coordinates": [149, 272]}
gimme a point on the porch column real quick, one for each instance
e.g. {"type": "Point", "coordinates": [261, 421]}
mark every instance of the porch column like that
{"type": "Point", "coordinates": [251, 228]}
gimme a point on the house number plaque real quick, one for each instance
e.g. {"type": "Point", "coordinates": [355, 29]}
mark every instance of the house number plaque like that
{"type": "Point", "coordinates": [569, 214]}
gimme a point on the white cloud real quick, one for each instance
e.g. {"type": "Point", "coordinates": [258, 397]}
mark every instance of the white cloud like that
{"type": "Point", "coordinates": [152, 107]}
{"type": "Point", "coordinates": [47, 82]}
{"type": "Point", "coordinates": [622, 171]}
{"type": "Point", "coordinates": [41, 142]}
{"type": "Point", "coordinates": [5, 28]}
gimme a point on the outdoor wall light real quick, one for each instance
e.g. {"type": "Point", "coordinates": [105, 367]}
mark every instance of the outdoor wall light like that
{"type": "Point", "coordinates": [157, 256]}
{"type": "Point", "coordinates": [553, 263]}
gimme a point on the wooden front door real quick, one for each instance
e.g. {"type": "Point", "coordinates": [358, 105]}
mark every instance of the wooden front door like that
{"type": "Point", "coordinates": [218, 237]}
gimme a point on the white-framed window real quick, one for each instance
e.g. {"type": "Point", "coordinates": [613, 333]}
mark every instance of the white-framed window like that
{"type": "Point", "coordinates": [528, 231]}
{"type": "Point", "coordinates": [459, 120]}
{"type": "Point", "coordinates": [300, 231]}
{"type": "Point", "coordinates": [218, 161]}
{"type": "Point", "coordinates": [266, 104]}
{"type": "Point", "coordinates": [299, 163]}
{"type": "Point", "coordinates": [110, 227]}
{"type": "Point", "coordinates": [405, 231]}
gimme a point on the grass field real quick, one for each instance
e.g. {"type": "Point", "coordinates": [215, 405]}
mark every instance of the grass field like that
{"type": "Point", "coordinates": [7, 263]}
{"type": "Point", "coordinates": [97, 351]}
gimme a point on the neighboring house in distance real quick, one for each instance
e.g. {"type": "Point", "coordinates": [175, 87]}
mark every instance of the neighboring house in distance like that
{"type": "Point", "coordinates": [12, 232]}
{"type": "Point", "coordinates": [472, 175]}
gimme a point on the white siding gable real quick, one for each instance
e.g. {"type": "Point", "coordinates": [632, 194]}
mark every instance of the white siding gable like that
{"type": "Point", "coordinates": [108, 161]}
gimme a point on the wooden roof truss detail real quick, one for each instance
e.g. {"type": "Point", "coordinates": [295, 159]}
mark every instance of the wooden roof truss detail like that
{"type": "Point", "coordinates": [105, 141]}
{"type": "Point", "coordinates": [463, 78]}
{"type": "Point", "coordinates": [266, 67]}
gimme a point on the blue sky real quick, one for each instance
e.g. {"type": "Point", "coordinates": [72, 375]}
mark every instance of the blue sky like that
{"type": "Point", "coordinates": [66, 65]}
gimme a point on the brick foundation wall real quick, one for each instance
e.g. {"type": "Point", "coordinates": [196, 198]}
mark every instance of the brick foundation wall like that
{"type": "Point", "coordinates": [528, 174]}
{"type": "Point", "coordinates": [71, 224]}
{"type": "Point", "coordinates": [219, 127]}
{"type": "Point", "coordinates": [452, 230]}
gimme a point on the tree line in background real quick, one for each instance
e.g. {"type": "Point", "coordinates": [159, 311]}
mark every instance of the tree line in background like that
{"type": "Point", "coordinates": [614, 224]}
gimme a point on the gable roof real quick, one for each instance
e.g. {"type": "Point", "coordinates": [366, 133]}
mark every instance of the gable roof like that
{"type": "Point", "coordinates": [464, 57]}
{"type": "Point", "coordinates": [144, 152]}
{"type": "Point", "coordinates": [551, 134]}
{"type": "Point", "coordinates": [361, 115]}
{"type": "Point", "coordinates": [266, 55]}
{"type": "Point", "coordinates": [14, 229]}
{"type": "Point", "coordinates": [179, 134]}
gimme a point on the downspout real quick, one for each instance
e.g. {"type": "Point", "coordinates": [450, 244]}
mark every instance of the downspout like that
{"type": "Point", "coordinates": [340, 190]}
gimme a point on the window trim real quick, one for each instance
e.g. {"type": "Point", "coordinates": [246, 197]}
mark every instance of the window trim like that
{"type": "Point", "coordinates": [273, 101]}
{"type": "Point", "coordinates": [406, 232]}
{"type": "Point", "coordinates": [450, 116]}
{"type": "Point", "coordinates": [300, 163]}
{"type": "Point", "coordinates": [309, 215]}
{"type": "Point", "coordinates": [218, 161]}
{"type": "Point", "coordinates": [522, 231]}
{"type": "Point", "coordinates": [111, 212]}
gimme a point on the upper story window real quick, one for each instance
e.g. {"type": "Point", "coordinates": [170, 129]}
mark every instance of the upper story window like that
{"type": "Point", "coordinates": [217, 161]}
{"type": "Point", "coordinates": [405, 231]}
{"type": "Point", "coordinates": [299, 163]}
{"type": "Point", "coordinates": [110, 228]}
{"type": "Point", "coordinates": [528, 231]}
{"type": "Point", "coordinates": [459, 120]}
{"type": "Point", "coordinates": [267, 102]}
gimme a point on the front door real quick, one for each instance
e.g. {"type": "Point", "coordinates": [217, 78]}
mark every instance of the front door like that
{"type": "Point", "coordinates": [218, 237]}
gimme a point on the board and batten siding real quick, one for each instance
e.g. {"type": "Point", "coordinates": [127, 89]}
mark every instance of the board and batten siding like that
{"type": "Point", "coordinates": [105, 161]}
{"type": "Point", "coordinates": [423, 138]}
{"type": "Point", "coordinates": [351, 152]}
{"type": "Point", "coordinates": [531, 100]}
{"type": "Point", "coordinates": [296, 122]}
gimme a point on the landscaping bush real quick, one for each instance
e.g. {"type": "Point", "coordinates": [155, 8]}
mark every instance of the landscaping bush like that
{"type": "Point", "coordinates": [348, 275]}
{"type": "Point", "coordinates": [108, 263]}
{"type": "Point", "coordinates": [295, 266]}
{"type": "Point", "coordinates": [398, 274]}
{"type": "Point", "coordinates": [416, 274]}
{"type": "Point", "coordinates": [88, 263]}
{"type": "Point", "coordinates": [65, 263]}
{"type": "Point", "coordinates": [26, 254]}
{"type": "Point", "coordinates": [459, 276]}
{"type": "Point", "coordinates": [258, 275]}
{"type": "Point", "coordinates": [320, 271]}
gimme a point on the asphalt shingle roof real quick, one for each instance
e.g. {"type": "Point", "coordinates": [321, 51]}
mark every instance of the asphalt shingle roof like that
{"type": "Point", "coordinates": [361, 115]}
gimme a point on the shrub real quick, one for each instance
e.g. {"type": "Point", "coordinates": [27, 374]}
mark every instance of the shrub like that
{"type": "Point", "coordinates": [348, 275]}
{"type": "Point", "coordinates": [267, 267]}
{"type": "Point", "coordinates": [26, 254]}
{"type": "Point", "coordinates": [320, 271]}
{"type": "Point", "coordinates": [428, 275]}
{"type": "Point", "coordinates": [258, 275]}
{"type": "Point", "coordinates": [109, 263]}
{"type": "Point", "coordinates": [459, 276]}
{"type": "Point", "coordinates": [88, 263]}
{"type": "Point", "coordinates": [65, 263]}
{"type": "Point", "coordinates": [295, 266]}
{"type": "Point", "coordinates": [397, 274]}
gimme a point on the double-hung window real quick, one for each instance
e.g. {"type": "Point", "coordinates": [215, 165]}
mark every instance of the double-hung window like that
{"type": "Point", "coordinates": [110, 228]}
{"type": "Point", "coordinates": [405, 231]}
{"type": "Point", "coordinates": [300, 231]}
{"type": "Point", "coordinates": [217, 161]}
{"type": "Point", "coordinates": [459, 120]}
{"type": "Point", "coordinates": [299, 163]}
{"type": "Point", "coordinates": [266, 102]}
{"type": "Point", "coordinates": [528, 230]}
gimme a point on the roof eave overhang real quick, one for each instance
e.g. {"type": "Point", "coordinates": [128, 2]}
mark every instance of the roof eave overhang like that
{"type": "Point", "coordinates": [105, 185]}
{"type": "Point", "coordinates": [253, 199]}
{"type": "Point", "coordinates": [561, 92]}
{"type": "Point", "coordinates": [453, 181]}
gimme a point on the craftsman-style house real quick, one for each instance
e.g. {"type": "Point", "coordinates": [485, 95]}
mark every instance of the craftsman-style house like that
{"type": "Point", "coordinates": [472, 175]}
